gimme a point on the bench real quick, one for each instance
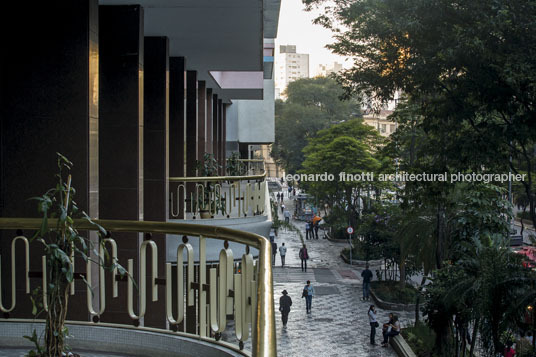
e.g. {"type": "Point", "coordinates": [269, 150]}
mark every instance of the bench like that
{"type": "Point", "coordinates": [401, 347]}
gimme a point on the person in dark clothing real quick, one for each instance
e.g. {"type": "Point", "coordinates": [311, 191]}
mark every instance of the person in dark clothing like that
{"type": "Point", "coordinates": [367, 276]}
{"type": "Point", "coordinates": [315, 225]}
{"type": "Point", "coordinates": [274, 252]}
{"type": "Point", "coordinates": [285, 302]}
{"type": "Point", "coordinates": [373, 324]}
{"type": "Point", "coordinates": [304, 255]}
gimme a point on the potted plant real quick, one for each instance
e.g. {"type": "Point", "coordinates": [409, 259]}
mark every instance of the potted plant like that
{"type": "Point", "coordinates": [62, 244]}
{"type": "Point", "coordinates": [207, 192]}
{"type": "Point", "coordinates": [234, 166]}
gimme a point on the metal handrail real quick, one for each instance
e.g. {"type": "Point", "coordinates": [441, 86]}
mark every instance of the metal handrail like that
{"type": "Point", "coordinates": [218, 178]}
{"type": "Point", "coordinates": [264, 341]}
{"type": "Point", "coordinates": [232, 196]}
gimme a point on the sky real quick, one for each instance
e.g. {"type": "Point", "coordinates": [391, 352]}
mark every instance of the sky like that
{"type": "Point", "coordinates": [296, 28]}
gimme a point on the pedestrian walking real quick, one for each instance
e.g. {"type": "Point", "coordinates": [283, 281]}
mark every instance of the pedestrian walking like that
{"type": "Point", "coordinates": [285, 302]}
{"type": "Point", "coordinates": [282, 208]}
{"type": "Point", "coordinates": [308, 293]}
{"type": "Point", "coordinates": [289, 191]}
{"type": "Point", "coordinates": [282, 253]}
{"type": "Point", "coordinates": [282, 194]}
{"type": "Point", "coordinates": [304, 256]}
{"type": "Point", "coordinates": [390, 329]}
{"type": "Point", "coordinates": [286, 214]}
{"type": "Point", "coordinates": [367, 276]}
{"type": "Point", "coordinates": [294, 192]}
{"type": "Point", "coordinates": [373, 324]}
{"type": "Point", "coordinates": [307, 228]}
{"type": "Point", "coordinates": [278, 197]}
{"type": "Point", "coordinates": [274, 252]}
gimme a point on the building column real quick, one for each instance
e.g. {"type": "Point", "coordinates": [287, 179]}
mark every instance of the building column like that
{"type": "Point", "coordinates": [224, 138]}
{"type": "Point", "coordinates": [191, 135]}
{"type": "Point", "coordinates": [121, 134]}
{"type": "Point", "coordinates": [155, 158]}
{"type": "Point", "coordinates": [191, 171]}
{"type": "Point", "coordinates": [220, 138]}
{"type": "Point", "coordinates": [202, 119]}
{"type": "Point", "coordinates": [209, 121]}
{"type": "Point", "coordinates": [215, 137]}
{"type": "Point", "coordinates": [177, 131]}
{"type": "Point", "coordinates": [49, 103]}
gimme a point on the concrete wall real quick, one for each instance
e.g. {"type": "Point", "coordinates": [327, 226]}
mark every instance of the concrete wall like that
{"type": "Point", "coordinates": [137, 342]}
{"type": "Point", "coordinates": [253, 120]}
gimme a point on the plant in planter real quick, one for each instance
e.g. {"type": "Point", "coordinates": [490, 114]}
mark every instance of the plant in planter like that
{"type": "Point", "coordinates": [62, 244]}
{"type": "Point", "coordinates": [208, 193]}
{"type": "Point", "coordinates": [234, 166]}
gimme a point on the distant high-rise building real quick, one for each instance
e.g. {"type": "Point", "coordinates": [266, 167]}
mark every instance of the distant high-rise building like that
{"type": "Point", "coordinates": [289, 66]}
{"type": "Point", "coordinates": [324, 70]}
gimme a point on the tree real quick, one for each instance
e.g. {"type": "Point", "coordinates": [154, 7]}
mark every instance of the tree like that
{"type": "Point", "coordinates": [312, 104]}
{"type": "Point", "coordinates": [349, 148]}
{"type": "Point", "coordinates": [467, 63]}
{"type": "Point", "coordinates": [482, 287]}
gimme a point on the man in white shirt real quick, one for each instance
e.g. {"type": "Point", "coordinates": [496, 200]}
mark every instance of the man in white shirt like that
{"type": "Point", "coordinates": [282, 253]}
{"type": "Point", "coordinates": [286, 214]}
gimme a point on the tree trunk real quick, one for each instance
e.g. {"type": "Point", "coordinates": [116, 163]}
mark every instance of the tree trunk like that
{"type": "Point", "coordinates": [528, 185]}
{"type": "Point", "coordinates": [523, 224]}
{"type": "Point", "coordinates": [418, 300]}
{"type": "Point", "coordinates": [441, 235]}
{"type": "Point", "coordinates": [402, 272]}
{"type": "Point", "coordinates": [457, 347]}
{"type": "Point", "coordinates": [464, 340]}
{"type": "Point", "coordinates": [473, 338]}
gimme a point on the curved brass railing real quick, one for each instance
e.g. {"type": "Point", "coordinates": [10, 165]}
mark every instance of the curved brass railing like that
{"type": "Point", "coordinates": [261, 303]}
{"type": "Point", "coordinates": [217, 196]}
{"type": "Point", "coordinates": [254, 166]}
{"type": "Point", "coordinates": [219, 178]}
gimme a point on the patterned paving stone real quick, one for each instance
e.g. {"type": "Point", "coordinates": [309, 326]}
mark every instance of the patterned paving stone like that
{"type": "Point", "coordinates": [338, 324]}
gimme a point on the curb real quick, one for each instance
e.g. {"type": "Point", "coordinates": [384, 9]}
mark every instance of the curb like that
{"type": "Point", "coordinates": [390, 305]}
{"type": "Point", "coordinates": [401, 347]}
{"type": "Point", "coordinates": [328, 235]}
{"type": "Point", "coordinates": [361, 263]}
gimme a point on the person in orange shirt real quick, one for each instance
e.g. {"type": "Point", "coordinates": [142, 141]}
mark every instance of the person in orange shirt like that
{"type": "Point", "coordinates": [316, 220]}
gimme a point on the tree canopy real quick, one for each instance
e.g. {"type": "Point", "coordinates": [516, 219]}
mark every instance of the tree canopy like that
{"type": "Point", "coordinates": [349, 148]}
{"type": "Point", "coordinates": [468, 67]}
{"type": "Point", "coordinates": [312, 104]}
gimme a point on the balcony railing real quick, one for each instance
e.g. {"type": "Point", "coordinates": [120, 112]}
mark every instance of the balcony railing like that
{"type": "Point", "coordinates": [254, 166]}
{"type": "Point", "coordinates": [243, 290]}
{"type": "Point", "coordinates": [218, 196]}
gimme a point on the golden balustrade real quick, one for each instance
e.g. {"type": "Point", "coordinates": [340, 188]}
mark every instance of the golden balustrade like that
{"type": "Point", "coordinates": [218, 196]}
{"type": "Point", "coordinates": [245, 293]}
{"type": "Point", "coordinates": [254, 166]}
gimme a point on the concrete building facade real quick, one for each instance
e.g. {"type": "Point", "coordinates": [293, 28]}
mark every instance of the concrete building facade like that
{"type": "Point", "coordinates": [324, 70]}
{"type": "Point", "coordinates": [289, 66]}
{"type": "Point", "coordinates": [133, 93]}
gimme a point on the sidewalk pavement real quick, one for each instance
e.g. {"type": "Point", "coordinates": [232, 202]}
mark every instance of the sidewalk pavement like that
{"type": "Point", "coordinates": [338, 324]}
